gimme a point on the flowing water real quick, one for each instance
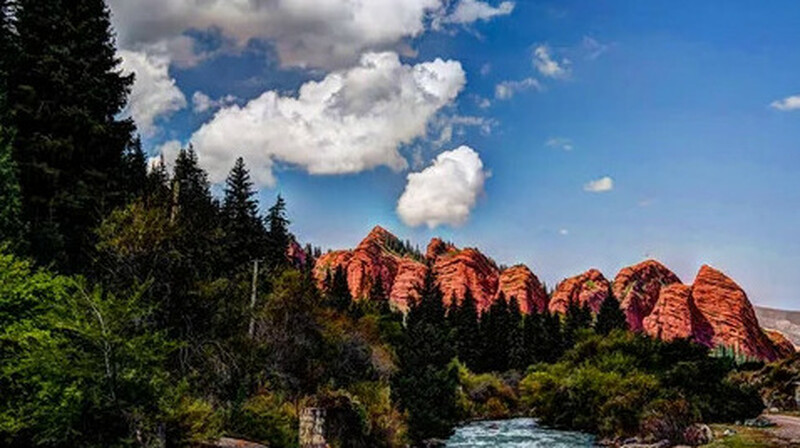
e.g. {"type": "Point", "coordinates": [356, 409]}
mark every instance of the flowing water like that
{"type": "Point", "coordinates": [516, 433]}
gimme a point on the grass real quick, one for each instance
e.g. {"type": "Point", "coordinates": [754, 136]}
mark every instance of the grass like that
{"type": "Point", "coordinates": [744, 438]}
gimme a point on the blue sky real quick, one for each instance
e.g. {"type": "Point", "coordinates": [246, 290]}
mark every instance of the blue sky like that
{"type": "Point", "coordinates": [686, 108]}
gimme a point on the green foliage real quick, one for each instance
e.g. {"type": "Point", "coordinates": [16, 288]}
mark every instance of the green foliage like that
{"type": "Point", "coordinates": [278, 236]}
{"type": "Point", "coordinates": [467, 335]}
{"type": "Point", "coordinates": [485, 396]}
{"type": "Point", "coordinates": [267, 418]}
{"type": "Point", "coordinates": [495, 333]}
{"type": "Point", "coordinates": [515, 345]}
{"type": "Point", "coordinates": [425, 384]}
{"type": "Point", "coordinates": [339, 296]}
{"type": "Point", "coordinates": [289, 335]}
{"type": "Point", "coordinates": [610, 317]}
{"type": "Point", "coordinates": [78, 367]}
{"type": "Point", "coordinates": [620, 383]}
{"type": "Point", "coordinates": [65, 91]}
{"type": "Point", "coordinates": [10, 199]}
{"type": "Point", "coordinates": [245, 235]}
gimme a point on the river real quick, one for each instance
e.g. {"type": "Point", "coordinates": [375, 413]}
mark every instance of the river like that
{"type": "Point", "coordinates": [516, 433]}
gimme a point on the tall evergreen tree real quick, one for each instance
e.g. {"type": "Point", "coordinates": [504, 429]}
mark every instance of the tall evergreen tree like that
{"type": "Point", "coordinates": [533, 337]}
{"type": "Point", "coordinates": [610, 317]}
{"type": "Point", "coordinates": [379, 297]}
{"type": "Point", "coordinates": [425, 385]}
{"type": "Point", "coordinates": [66, 93]}
{"type": "Point", "coordinates": [10, 200]}
{"type": "Point", "coordinates": [339, 294]}
{"type": "Point", "coordinates": [10, 204]}
{"type": "Point", "coordinates": [278, 236]}
{"type": "Point", "coordinates": [578, 317]}
{"type": "Point", "coordinates": [244, 231]}
{"type": "Point", "coordinates": [517, 358]}
{"type": "Point", "coordinates": [467, 332]}
{"type": "Point", "coordinates": [495, 331]}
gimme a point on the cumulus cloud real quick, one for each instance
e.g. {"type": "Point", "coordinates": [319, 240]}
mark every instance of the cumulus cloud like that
{"type": "Point", "coordinates": [469, 11]}
{"type": "Point", "coordinates": [154, 94]}
{"type": "Point", "coordinates": [327, 34]}
{"type": "Point", "coordinates": [547, 66]}
{"type": "Point", "coordinates": [350, 121]}
{"type": "Point", "coordinates": [560, 143]}
{"type": "Point", "coordinates": [203, 103]}
{"type": "Point", "coordinates": [506, 89]}
{"type": "Point", "coordinates": [445, 192]}
{"type": "Point", "coordinates": [787, 104]}
{"type": "Point", "coordinates": [600, 185]}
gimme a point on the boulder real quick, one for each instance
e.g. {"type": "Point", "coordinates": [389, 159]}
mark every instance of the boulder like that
{"type": "Point", "coordinates": [698, 434]}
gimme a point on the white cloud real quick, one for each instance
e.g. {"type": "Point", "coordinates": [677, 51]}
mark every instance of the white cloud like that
{"type": "Point", "coordinates": [506, 89]}
{"type": "Point", "coordinates": [445, 192]}
{"type": "Point", "coordinates": [787, 104]}
{"type": "Point", "coordinates": [154, 94]}
{"type": "Point", "coordinates": [560, 143]}
{"type": "Point", "coordinates": [486, 69]}
{"type": "Point", "coordinates": [547, 66]}
{"type": "Point", "coordinates": [350, 121]}
{"type": "Point", "coordinates": [563, 232]}
{"type": "Point", "coordinates": [457, 124]}
{"type": "Point", "coordinates": [328, 34]}
{"type": "Point", "coordinates": [600, 185]}
{"type": "Point", "coordinates": [469, 11]}
{"type": "Point", "coordinates": [203, 103]}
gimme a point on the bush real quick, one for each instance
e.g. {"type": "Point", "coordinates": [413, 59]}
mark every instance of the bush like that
{"type": "Point", "coordinates": [267, 418]}
{"type": "Point", "coordinates": [625, 383]}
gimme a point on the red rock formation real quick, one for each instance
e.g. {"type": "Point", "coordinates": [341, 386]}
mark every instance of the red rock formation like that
{"type": "Point", "coordinates": [407, 283]}
{"type": "Point", "coordinates": [460, 270]}
{"type": "Point", "coordinates": [372, 258]}
{"type": "Point", "coordinates": [672, 315]}
{"type": "Point", "coordinates": [783, 346]}
{"type": "Point", "coordinates": [438, 247]}
{"type": "Point", "coordinates": [637, 288]}
{"type": "Point", "coordinates": [728, 317]}
{"type": "Point", "coordinates": [588, 288]}
{"type": "Point", "coordinates": [518, 281]}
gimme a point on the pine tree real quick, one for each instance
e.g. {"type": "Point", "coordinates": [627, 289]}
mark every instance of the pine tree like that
{"type": "Point", "coordinates": [10, 205]}
{"type": "Point", "coordinates": [379, 298]}
{"type": "Point", "coordinates": [425, 385]}
{"type": "Point", "coordinates": [244, 231]}
{"type": "Point", "coordinates": [66, 93]}
{"type": "Point", "coordinates": [339, 295]}
{"type": "Point", "coordinates": [610, 317]}
{"type": "Point", "coordinates": [553, 336]}
{"type": "Point", "coordinates": [467, 332]}
{"type": "Point", "coordinates": [278, 236]}
{"type": "Point", "coordinates": [517, 358]}
{"type": "Point", "coordinates": [195, 214]}
{"type": "Point", "coordinates": [495, 329]}
{"type": "Point", "coordinates": [533, 337]}
{"type": "Point", "coordinates": [578, 317]}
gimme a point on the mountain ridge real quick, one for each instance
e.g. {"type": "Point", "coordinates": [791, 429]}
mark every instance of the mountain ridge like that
{"type": "Point", "coordinates": [714, 310]}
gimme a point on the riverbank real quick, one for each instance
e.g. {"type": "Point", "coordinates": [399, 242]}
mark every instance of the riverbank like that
{"type": "Point", "coordinates": [785, 433]}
